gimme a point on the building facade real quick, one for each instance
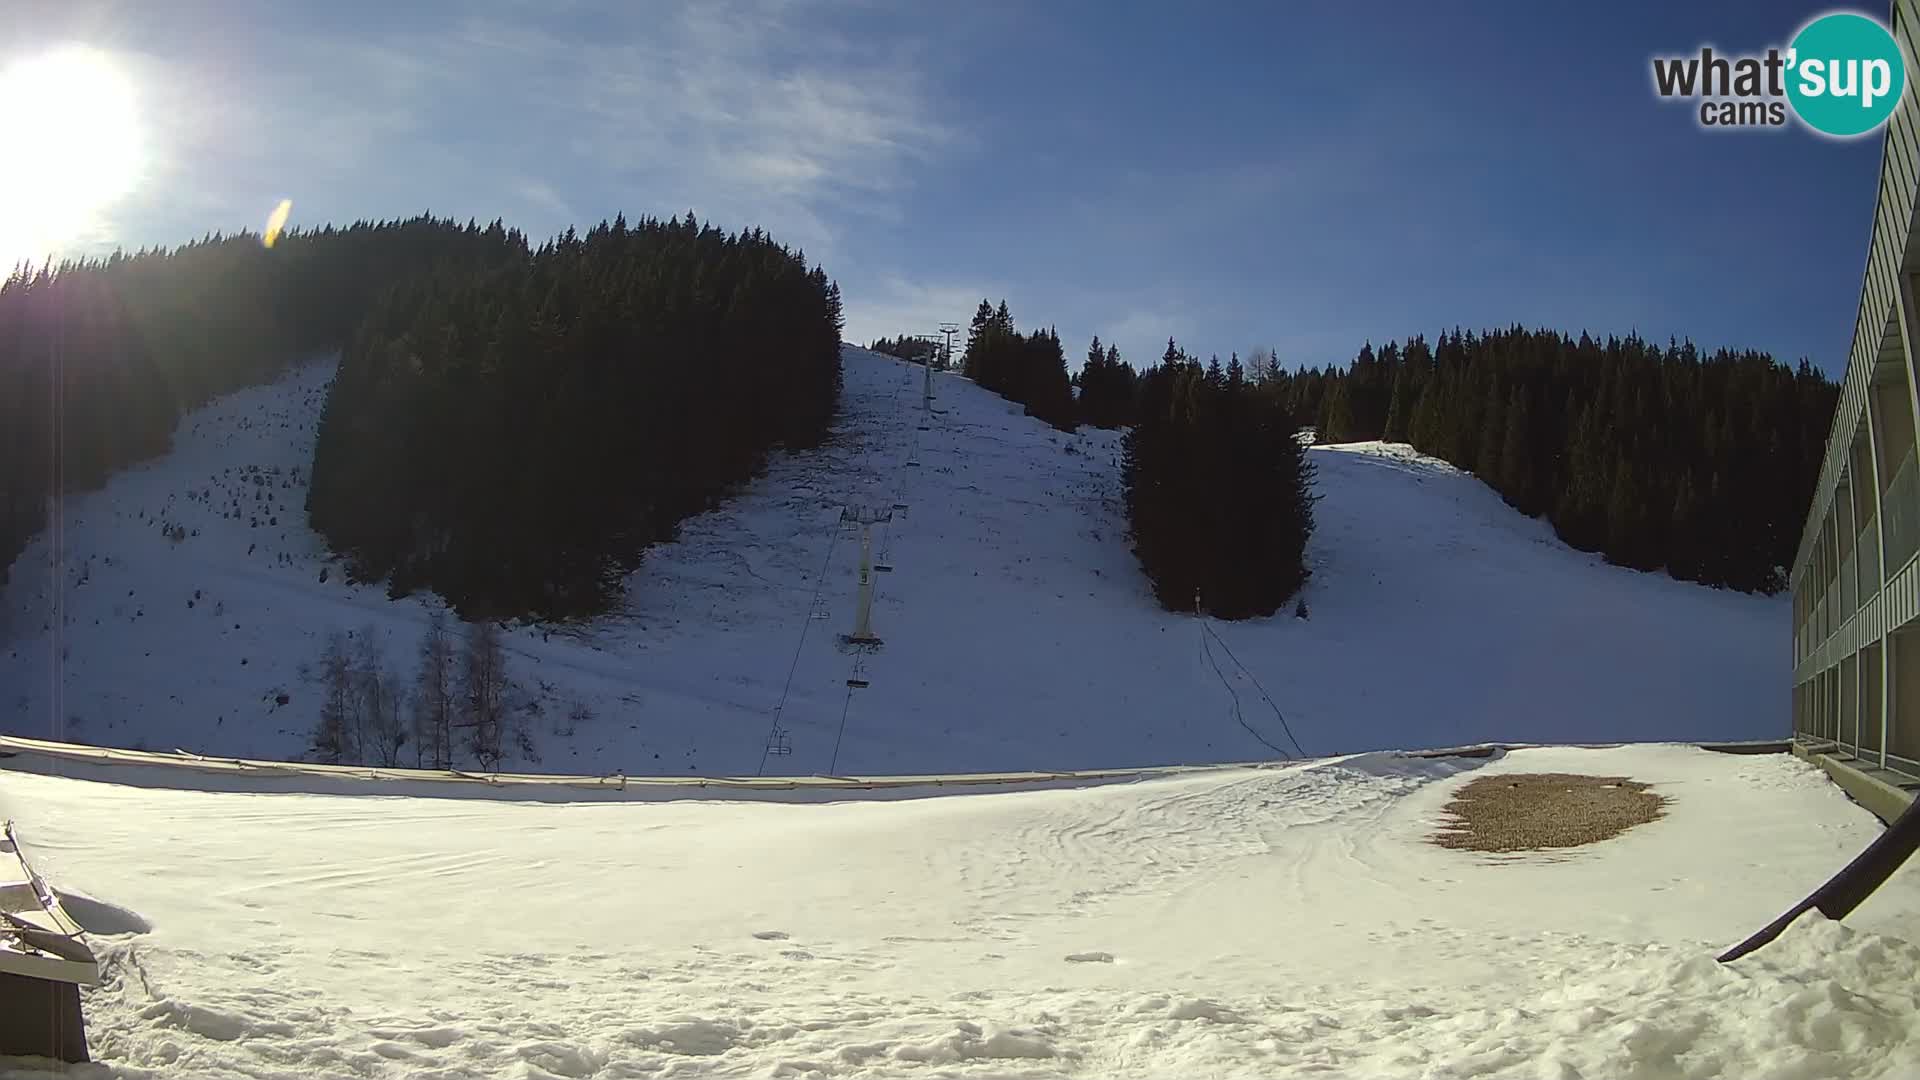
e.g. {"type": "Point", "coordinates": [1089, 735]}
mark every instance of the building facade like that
{"type": "Point", "coordinates": [1855, 581]}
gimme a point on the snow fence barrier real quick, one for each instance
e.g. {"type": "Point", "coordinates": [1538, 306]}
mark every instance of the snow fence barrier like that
{"type": "Point", "coordinates": [618, 784]}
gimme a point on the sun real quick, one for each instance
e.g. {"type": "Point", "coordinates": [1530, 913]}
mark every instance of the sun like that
{"type": "Point", "coordinates": [70, 131]}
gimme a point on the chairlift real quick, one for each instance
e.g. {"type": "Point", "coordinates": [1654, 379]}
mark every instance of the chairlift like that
{"type": "Point", "coordinates": [858, 683]}
{"type": "Point", "coordinates": [779, 744]}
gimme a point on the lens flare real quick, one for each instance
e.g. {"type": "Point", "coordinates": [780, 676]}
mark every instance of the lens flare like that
{"type": "Point", "coordinates": [277, 221]}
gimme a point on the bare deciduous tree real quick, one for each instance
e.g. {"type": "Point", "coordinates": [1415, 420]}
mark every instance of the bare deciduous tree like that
{"type": "Point", "coordinates": [334, 736]}
{"type": "Point", "coordinates": [1262, 365]}
{"type": "Point", "coordinates": [433, 698]}
{"type": "Point", "coordinates": [383, 733]}
{"type": "Point", "coordinates": [360, 702]}
{"type": "Point", "coordinates": [484, 691]}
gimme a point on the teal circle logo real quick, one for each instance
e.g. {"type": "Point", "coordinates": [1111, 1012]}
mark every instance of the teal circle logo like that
{"type": "Point", "coordinates": [1845, 74]}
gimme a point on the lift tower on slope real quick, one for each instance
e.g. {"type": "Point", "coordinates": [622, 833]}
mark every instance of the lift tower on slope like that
{"type": "Point", "coordinates": [926, 387]}
{"type": "Point", "coordinates": [863, 618]}
{"type": "Point", "coordinates": [947, 331]}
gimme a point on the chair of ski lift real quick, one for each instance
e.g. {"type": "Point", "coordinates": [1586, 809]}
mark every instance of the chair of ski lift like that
{"type": "Point", "coordinates": [779, 744]}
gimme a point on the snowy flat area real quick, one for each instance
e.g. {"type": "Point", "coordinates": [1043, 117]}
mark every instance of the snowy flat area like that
{"type": "Point", "coordinates": [1019, 633]}
{"type": "Point", "coordinates": [1287, 921]}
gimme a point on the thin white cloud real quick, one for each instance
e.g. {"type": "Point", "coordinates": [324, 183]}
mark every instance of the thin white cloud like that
{"type": "Point", "coordinates": [1146, 326]}
{"type": "Point", "coordinates": [748, 111]}
{"type": "Point", "coordinates": [540, 194]}
{"type": "Point", "coordinates": [899, 305]}
{"type": "Point", "coordinates": [745, 111]}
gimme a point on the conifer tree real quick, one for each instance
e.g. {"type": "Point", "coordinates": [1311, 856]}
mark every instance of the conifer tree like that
{"type": "Point", "coordinates": [1218, 492]}
{"type": "Point", "coordinates": [1516, 478]}
{"type": "Point", "coordinates": [1492, 442]}
{"type": "Point", "coordinates": [1336, 414]}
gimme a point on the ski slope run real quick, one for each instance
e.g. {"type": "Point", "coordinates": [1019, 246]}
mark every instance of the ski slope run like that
{"type": "Point", "coordinates": [1288, 921]}
{"type": "Point", "coordinates": [1018, 631]}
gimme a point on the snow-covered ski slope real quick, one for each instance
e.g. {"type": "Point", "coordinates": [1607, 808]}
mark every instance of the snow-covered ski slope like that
{"type": "Point", "coordinates": [1019, 633]}
{"type": "Point", "coordinates": [1288, 921]}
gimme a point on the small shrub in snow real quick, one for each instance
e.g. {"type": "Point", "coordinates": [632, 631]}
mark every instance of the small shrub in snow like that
{"type": "Point", "coordinates": [577, 714]}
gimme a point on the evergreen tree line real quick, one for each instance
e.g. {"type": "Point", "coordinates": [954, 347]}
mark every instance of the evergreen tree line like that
{"type": "Point", "coordinates": [1218, 487]}
{"type": "Point", "coordinates": [513, 433]}
{"type": "Point", "coordinates": [918, 350]}
{"type": "Point", "coordinates": [1107, 386]}
{"type": "Point", "coordinates": [1700, 463]}
{"type": "Point", "coordinates": [1030, 369]}
{"type": "Point", "coordinates": [100, 357]}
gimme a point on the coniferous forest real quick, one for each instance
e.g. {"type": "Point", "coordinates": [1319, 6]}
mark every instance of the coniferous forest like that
{"type": "Point", "coordinates": [484, 386]}
{"type": "Point", "coordinates": [482, 379]}
{"type": "Point", "coordinates": [918, 350]}
{"type": "Point", "coordinates": [513, 435]}
{"type": "Point", "coordinates": [1699, 463]}
{"type": "Point", "coordinates": [118, 348]}
{"type": "Point", "coordinates": [1030, 369]}
{"type": "Point", "coordinates": [1218, 489]}
{"type": "Point", "coordinates": [1107, 385]}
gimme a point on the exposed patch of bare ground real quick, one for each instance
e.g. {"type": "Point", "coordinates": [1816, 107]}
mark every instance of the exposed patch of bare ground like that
{"type": "Point", "coordinates": [1541, 811]}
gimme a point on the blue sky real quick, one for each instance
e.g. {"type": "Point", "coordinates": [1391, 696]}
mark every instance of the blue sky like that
{"type": "Point", "coordinates": [1302, 176]}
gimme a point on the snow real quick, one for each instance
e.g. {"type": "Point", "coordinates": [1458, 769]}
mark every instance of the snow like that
{"type": "Point", "coordinates": [1018, 631]}
{"type": "Point", "coordinates": [1281, 921]}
